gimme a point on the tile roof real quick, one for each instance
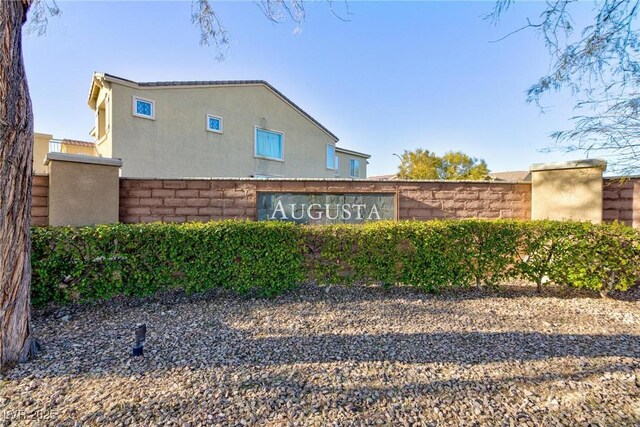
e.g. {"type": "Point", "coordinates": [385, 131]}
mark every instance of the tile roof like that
{"type": "Point", "coordinates": [392, 177]}
{"type": "Point", "coordinates": [78, 143]}
{"type": "Point", "coordinates": [510, 176]}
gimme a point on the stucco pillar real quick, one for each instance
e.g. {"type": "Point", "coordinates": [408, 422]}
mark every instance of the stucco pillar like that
{"type": "Point", "coordinates": [636, 204]}
{"type": "Point", "coordinates": [567, 190]}
{"type": "Point", "coordinates": [83, 190]}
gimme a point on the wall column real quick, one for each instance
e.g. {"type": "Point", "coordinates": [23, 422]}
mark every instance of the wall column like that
{"type": "Point", "coordinates": [567, 190]}
{"type": "Point", "coordinates": [636, 205]}
{"type": "Point", "coordinates": [83, 190]}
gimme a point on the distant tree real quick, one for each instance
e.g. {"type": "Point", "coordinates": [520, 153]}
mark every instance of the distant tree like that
{"type": "Point", "coordinates": [16, 151]}
{"type": "Point", "coordinates": [454, 165]}
{"type": "Point", "coordinates": [419, 164]}
{"type": "Point", "coordinates": [598, 61]}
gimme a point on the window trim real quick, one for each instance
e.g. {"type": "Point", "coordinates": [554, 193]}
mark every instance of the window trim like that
{"type": "Point", "coordinates": [351, 162]}
{"type": "Point", "coordinates": [337, 164]}
{"type": "Point", "coordinates": [134, 112]}
{"type": "Point", "coordinates": [213, 116]}
{"type": "Point", "coordinates": [255, 144]}
{"type": "Point", "coordinates": [327, 157]}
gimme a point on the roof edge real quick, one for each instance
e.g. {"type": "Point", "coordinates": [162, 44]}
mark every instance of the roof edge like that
{"type": "Point", "coordinates": [571, 164]}
{"type": "Point", "coordinates": [356, 153]}
{"type": "Point", "coordinates": [81, 158]}
{"type": "Point", "coordinates": [144, 85]}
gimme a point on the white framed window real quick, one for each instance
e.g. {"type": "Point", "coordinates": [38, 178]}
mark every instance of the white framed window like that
{"type": "Point", "coordinates": [337, 161]}
{"type": "Point", "coordinates": [354, 168]}
{"type": "Point", "coordinates": [214, 123]}
{"type": "Point", "coordinates": [144, 108]}
{"type": "Point", "coordinates": [331, 156]}
{"type": "Point", "coordinates": [107, 111]}
{"type": "Point", "coordinates": [269, 144]}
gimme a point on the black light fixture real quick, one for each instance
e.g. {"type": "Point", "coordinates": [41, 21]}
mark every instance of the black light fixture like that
{"type": "Point", "coordinates": [141, 335]}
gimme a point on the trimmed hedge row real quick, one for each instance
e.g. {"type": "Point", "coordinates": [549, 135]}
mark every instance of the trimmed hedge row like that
{"type": "Point", "coordinates": [267, 258]}
{"type": "Point", "coordinates": [89, 263]}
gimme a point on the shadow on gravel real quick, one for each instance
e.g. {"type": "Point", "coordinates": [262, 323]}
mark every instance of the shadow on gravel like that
{"type": "Point", "coordinates": [310, 292]}
{"type": "Point", "coordinates": [221, 346]}
{"type": "Point", "coordinates": [100, 342]}
{"type": "Point", "coordinates": [280, 392]}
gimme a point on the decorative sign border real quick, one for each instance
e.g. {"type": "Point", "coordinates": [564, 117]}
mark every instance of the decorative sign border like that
{"type": "Point", "coordinates": [326, 207]}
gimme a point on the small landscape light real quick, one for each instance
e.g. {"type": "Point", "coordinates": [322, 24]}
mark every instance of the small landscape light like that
{"type": "Point", "coordinates": [141, 335]}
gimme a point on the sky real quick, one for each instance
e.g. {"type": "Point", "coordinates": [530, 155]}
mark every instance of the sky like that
{"type": "Point", "coordinates": [383, 76]}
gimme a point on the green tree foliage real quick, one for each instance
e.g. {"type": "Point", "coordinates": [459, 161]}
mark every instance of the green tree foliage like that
{"type": "Point", "coordinates": [453, 165]}
{"type": "Point", "coordinates": [419, 164]}
{"type": "Point", "coordinates": [457, 165]}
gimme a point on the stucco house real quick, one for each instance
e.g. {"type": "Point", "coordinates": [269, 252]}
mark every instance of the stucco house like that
{"type": "Point", "coordinates": [213, 129]}
{"type": "Point", "coordinates": [44, 143]}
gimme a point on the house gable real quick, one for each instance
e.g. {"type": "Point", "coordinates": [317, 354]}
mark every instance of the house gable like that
{"type": "Point", "coordinates": [99, 80]}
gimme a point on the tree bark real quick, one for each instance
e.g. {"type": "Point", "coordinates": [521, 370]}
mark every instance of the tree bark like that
{"type": "Point", "coordinates": [16, 152]}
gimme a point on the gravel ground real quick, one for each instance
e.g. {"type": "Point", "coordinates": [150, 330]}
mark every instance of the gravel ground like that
{"type": "Point", "coordinates": [336, 356]}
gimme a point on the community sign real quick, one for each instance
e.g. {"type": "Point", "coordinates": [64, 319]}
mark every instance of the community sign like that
{"type": "Point", "coordinates": [326, 208]}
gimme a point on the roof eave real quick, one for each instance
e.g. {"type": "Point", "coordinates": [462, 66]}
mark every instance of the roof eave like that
{"type": "Point", "coordinates": [355, 153]}
{"type": "Point", "coordinates": [94, 90]}
{"type": "Point", "coordinates": [120, 80]}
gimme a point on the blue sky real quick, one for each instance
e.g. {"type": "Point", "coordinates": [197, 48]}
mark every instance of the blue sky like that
{"type": "Point", "coordinates": [397, 75]}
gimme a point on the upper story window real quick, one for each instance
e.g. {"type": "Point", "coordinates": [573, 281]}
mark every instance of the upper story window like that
{"type": "Point", "coordinates": [331, 156]}
{"type": "Point", "coordinates": [102, 120]}
{"type": "Point", "coordinates": [214, 123]}
{"type": "Point", "coordinates": [269, 144]}
{"type": "Point", "coordinates": [354, 168]}
{"type": "Point", "coordinates": [144, 108]}
{"type": "Point", "coordinates": [337, 166]}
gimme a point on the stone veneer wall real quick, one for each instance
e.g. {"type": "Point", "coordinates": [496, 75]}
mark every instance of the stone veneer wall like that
{"type": "Point", "coordinates": [148, 200]}
{"type": "Point", "coordinates": [40, 200]}
{"type": "Point", "coordinates": [618, 197]}
{"type": "Point", "coordinates": [145, 200]}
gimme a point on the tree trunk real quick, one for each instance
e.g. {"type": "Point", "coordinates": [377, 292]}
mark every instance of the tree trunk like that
{"type": "Point", "coordinates": [16, 139]}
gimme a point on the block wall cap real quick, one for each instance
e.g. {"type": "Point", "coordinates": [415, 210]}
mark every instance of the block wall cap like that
{"type": "Point", "coordinates": [352, 180]}
{"type": "Point", "coordinates": [571, 164]}
{"type": "Point", "coordinates": [79, 158]}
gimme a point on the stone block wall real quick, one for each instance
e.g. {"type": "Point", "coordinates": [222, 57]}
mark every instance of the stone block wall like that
{"type": "Point", "coordinates": [40, 200]}
{"type": "Point", "coordinates": [148, 200]}
{"type": "Point", "coordinates": [621, 200]}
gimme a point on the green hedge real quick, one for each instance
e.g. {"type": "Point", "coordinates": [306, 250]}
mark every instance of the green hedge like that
{"type": "Point", "coordinates": [267, 258]}
{"type": "Point", "coordinates": [89, 263]}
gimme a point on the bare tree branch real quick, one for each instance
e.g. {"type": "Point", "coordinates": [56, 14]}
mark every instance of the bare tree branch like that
{"type": "Point", "coordinates": [39, 14]}
{"type": "Point", "coordinates": [599, 64]}
{"type": "Point", "coordinates": [212, 32]}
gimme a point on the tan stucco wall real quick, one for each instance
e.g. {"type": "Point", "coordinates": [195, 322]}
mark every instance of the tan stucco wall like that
{"type": "Point", "coordinates": [345, 168]}
{"type": "Point", "coordinates": [177, 144]}
{"type": "Point", "coordinates": [82, 193]}
{"type": "Point", "coordinates": [571, 193]}
{"type": "Point", "coordinates": [40, 150]}
{"type": "Point", "coordinates": [78, 149]}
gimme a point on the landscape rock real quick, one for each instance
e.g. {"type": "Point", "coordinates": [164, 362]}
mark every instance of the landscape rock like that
{"type": "Point", "coordinates": [358, 355]}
